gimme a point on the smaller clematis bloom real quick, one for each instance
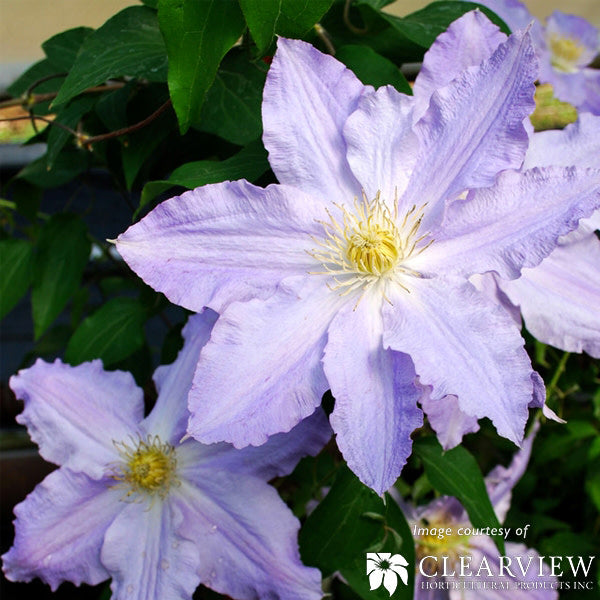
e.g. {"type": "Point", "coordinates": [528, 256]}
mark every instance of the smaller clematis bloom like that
{"type": "Point", "coordinates": [566, 46]}
{"type": "Point", "coordinates": [438, 554]}
{"type": "Point", "coordinates": [133, 502]}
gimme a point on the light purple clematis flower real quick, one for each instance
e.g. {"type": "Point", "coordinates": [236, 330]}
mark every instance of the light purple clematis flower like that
{"type": "Point", "coordinates": [133, 503]}
{"type": "Point", "coordinates": [445, 531]}
{"type": "Point", "coordinates": [352, 273]}
{"type": "Point", "coordinates": [566, 45]}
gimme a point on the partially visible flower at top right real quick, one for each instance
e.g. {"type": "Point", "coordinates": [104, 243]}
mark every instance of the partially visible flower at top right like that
{"type": "Point", "coordinates": [565, 46]}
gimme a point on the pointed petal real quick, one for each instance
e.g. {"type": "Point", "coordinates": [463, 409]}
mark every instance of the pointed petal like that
{"type": "Point", "coordinates": [277, 457]}
{"type": "Point", "coordinates": [261, 371]}
{"type": "Point", "coordinates": [501, 480]}
{"type": "Point", "coordinates": [473, 128]}
{"type": "Point", "coordinates": [560, 298]}
{"type": "Point", "coordinates": [514, 224]}
{"type": "Point", "coordinates": [390, 581]}
{"type": "Point", "coordinates": [223, 242]}
{"type": "Point", "coordinates": [246, 537]}
{"type": "Point", "coordinates": [154, 562]}
{"type": "Point", "coordinates": [375, 396]}
{"type": "Point", "coordinates": [375, 579]}
{"type": "Point", "coordinates": [513, 12]}
{"type": "Point", "coordinates": [382, 148]}
{"type": "Point", "coordinates": [447, 420]}
{"type": "Point", "coordinates": [307, 98]}
{"type": "Point", "coordinates": [463, 345]}
{"type": "Point", "coordinates": [75, 413]}
{"type": "Point", "coordinates": [467, 42]}
{"type": "Point", "coordinates": [169, 416]}
{"type": "Point", "coordinates": [59, 530]}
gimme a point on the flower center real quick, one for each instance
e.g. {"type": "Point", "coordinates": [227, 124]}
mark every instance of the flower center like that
{"type": "Point", "coordinates": [148, 467]}
{"type": "Point", "coordinates": [565, 53]}
{"type": "Point", "coordinates": [370, 245]}
{"type": "Point", "coordinates": [440, 545]}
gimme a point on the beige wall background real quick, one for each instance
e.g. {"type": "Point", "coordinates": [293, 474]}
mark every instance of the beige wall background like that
{"type": "Point", "coordinates": [25, 24]}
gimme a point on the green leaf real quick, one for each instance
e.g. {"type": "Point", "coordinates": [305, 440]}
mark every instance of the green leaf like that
{"type": "Point", "coordinates": [423, 26]}
{"type": "Point", "coordinates": [290, 18]}
{"type": "Point", "coordinates": [372, 68]}
{"type": "Point", "coordinates": [340, 531]}
{"type": "Point", "coordinates": [143, 143]}
{"type": "Point", "coordinates": [198, 34]}
{"type": "Point", "coordinates": [40, 70]}
{"type": "Point", "coordinates": [111, 333]}
{"type": "Point", "coordinates": [127, 45]}
{"type": "Point", "coordinates": [249, 163]}
{"type": "Point", "coordinates": [233, 103]}
{"type": "Point", "coordinates": [15, 264]}
{"type": "Point", "coordinates": [62, 252]}
{"type": "Point", "coordinates": [62, 48]}
{"type": "Point", "coordinates": [69, 117]}
{"type": "Point", "coordinates": [67, 165]}
{"type": "Point", "coordinates": [456, 473]}
{"type": "Point", "coordinates": [398, 541]}
{"type": "Point", "coordinates": [151, 3]}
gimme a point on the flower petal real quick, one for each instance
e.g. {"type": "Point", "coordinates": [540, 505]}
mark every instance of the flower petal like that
{"type": "Point", "coordinates": [375, 396]}
{"type": "Point", "coordinates": [577, 144]}
{"type": "Point", "coordinates": [382, 148]}
{"type": "Point", "coordinates": [467, 42]}
{"type": "Point", "coordinates": [146, 557]}
{"type": "Point", "coordinates": [512, 12]}
{"type": "Point", "coordinates": [514, 224]}
{"type": "Point", "coordinates": [501, 480]}
{"type": "Point", "coordinates": [247, 538]}
{"type": "Point", "coordinates": [463, 345]}
{"type": "Point", "coordinates": [277, 457]}
{"type": "Point", "coordinates": [560, 298]}
{"type": "Point", "coordinates": [390, 581]}
{"type": "Point", "coordinates": [473, 128]}
{"type": "Point", "coordinates": [447, 420]}
{"type": "Point", "coordinates": [169, 416]}
{"type": "Point", "coordinates": [75, 413]}
{"type": "Point", "coordinates": [223, 242]}
{"type": "Point", "coordinates": [261, 371]}
{"type": "Point", "coordinates": [375, 579]}
{"type": "Point", "coordinates": [59, 530]}
{"type": "Point", "coordinates": [307, 98]}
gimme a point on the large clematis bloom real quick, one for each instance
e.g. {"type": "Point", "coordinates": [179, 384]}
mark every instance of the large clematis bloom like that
{"type": "Point", "coordinates": [566, 45]}
{"type": "Point", "coordinates": [352, 273]}
{"type": "Point", "coordinates": [133, 503]}
{"type": "Point", "coordinates": [439, 555]}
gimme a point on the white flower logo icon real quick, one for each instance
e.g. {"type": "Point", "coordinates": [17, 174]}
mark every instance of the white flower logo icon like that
{"type": "Point", "coordinates": [385, 567]}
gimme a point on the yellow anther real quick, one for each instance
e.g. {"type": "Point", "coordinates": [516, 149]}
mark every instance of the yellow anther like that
{"type": "Point", "coordinates": [565, 53]}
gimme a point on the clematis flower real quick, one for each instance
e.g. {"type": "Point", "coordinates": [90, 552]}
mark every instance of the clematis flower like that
{"type": "Point", "coordinates": [133, 503]}
{"type": "Point", "coordinates": [566, 45]}
{"type": "Point", "coordinates": [440, 553]}
{"type": "Point", "coordinates": [352, 273]}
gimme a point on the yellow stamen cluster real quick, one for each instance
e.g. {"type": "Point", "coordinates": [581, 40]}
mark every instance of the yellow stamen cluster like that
{"type": "Point", "coordinates": [369, 245]}
{"type": "Point", "coordinates": [148, 467]}
{"type": "Point", "coordinates": [565, 53]}
{"type": "Point", "coordinates": [450, 545]}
